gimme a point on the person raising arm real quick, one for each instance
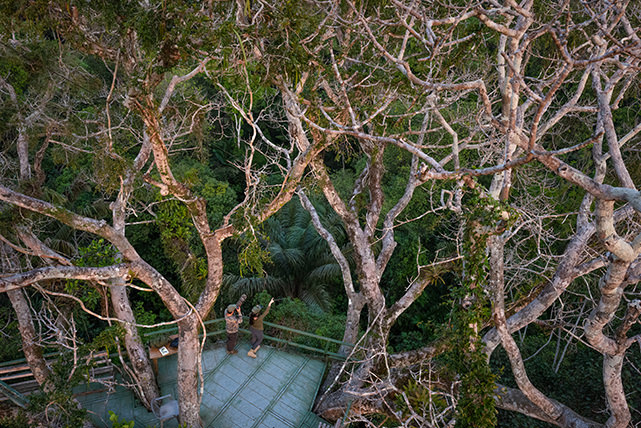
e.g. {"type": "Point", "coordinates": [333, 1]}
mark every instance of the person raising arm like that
{"type": "Point", "coordinates": [256, 327]}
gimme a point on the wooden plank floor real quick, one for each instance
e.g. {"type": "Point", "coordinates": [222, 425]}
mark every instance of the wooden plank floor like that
{"type": "Point", "coordinates": [275, 390]}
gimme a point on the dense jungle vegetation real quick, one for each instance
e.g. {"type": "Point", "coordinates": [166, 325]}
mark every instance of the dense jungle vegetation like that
{"type": "Point", "coordinates": [451, 186]}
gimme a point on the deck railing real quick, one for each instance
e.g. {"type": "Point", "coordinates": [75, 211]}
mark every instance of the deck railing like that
{"type": "Point", "coordinates": [218, 325]}
{"type": "Point", "coordinates": [16, 379]}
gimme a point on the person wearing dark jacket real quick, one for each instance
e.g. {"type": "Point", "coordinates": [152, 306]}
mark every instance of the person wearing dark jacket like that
{"type": "Point", "coordinates": [256, 327]}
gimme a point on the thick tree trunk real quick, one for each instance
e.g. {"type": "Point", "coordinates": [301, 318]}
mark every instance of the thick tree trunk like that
{"type": "Point", "coordinates": [135, 349]}
{"type": "Point", "coordinates": [138, 357]}
{"type": "Point", "coordinates": [615, 393]}
{"type": "Point", "coordinates": [187, 376]}
{"type": "Point", "coordinates": [352, 322]}
{"type": "Point", "coordinates": [30, 346]}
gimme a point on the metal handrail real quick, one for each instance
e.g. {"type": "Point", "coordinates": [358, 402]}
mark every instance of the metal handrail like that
{"type": "Point", "coordinates": [20, 369]}
{"type": "Point", "coordinates": [327, 340]}
{"type": "Point", "coordinates": [304, 333]}
{"type": "Point", "coordinates": [173, 330]}
{"type": "Point", "coordinates": [24, 360]}
{"type": "Point", "coordinates": [13, 395]}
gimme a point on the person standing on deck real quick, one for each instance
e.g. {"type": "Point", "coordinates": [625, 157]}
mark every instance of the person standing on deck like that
{"type": "Point", "coordinates": [256, 327]}
{"type": "Point", "coordinates": [233, 318]}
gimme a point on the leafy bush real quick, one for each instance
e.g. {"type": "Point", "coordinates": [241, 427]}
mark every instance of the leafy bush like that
{"type": "Point", "coordinates": [17, 421]}
{"type": "Point", "coordinates": [117, 423]}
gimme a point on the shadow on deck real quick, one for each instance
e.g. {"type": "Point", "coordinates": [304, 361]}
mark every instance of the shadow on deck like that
{"type": "Point", "coordinates": [275, 390]}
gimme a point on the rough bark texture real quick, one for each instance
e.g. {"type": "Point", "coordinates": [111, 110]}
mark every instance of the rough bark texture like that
{"type": "Point", "coordinates": [571, 66]}
{"type": "Point", "coordinates": [188, 372]}
{"type": "Point", "coordinates": [137, 352]}
{"type": "Point", "coordinates": [370, 263]}
{"type": "Point", "coordinates": [615, 392]}
{"type": "Point", "coordinates": [189, 353]}
{"type": "Point", "coordinates": [530, 110]}
{"type": "Point", "coordinates": [30, 341]}
{"type": "Point", "coordinates": [515, 400]}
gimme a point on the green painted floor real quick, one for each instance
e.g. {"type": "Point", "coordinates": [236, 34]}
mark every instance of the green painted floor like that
{"type": "Point", "coordinates": [275, 390]}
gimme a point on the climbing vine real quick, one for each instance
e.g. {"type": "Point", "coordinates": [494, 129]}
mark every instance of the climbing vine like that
{"type": "Point", "coordinates": [177, 234]}
{"type": "Point", "coordinates": [484, 216]}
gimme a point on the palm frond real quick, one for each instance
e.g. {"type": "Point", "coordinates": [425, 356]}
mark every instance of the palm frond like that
{"type": "Point", "coordinates": [324, 273]}
{"type": "Point", "coordinates": [301, 264]}
{"type": "Point", "coordinates": [295, 237]}
{"type": "Point", "coordinates": [316, 296]}
{"type": "Point", "coordinates": [274, 230]}
{"type": "Point", "coordinates": [254, 285]}
{"type": "Point", "coordinates": [286, 259]}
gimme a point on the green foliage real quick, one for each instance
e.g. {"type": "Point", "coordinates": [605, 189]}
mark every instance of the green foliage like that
{"type": "Point", "coordinates": [107, 172]}
{"type": "Point", "coordinates": [146, 317]}
{"type": "Point", "coordinates": [117, 423]}
{"type": "Point", "coordinates": [167, 34]}
{"type": "Point", "coordinates": [16, 74]}
{"type": "Point", "coordinates": [148, 307]}
{"type": "Point", "coordinates": [18, 421]}
{"type": "Point", "coordinates": [465, 358]}
{"type": "Point", "coordinates": [61, 409]}
{"type": "Point", "coordinates": [177, 232]}
{"type": "Point", "coordinates": [252, 257]}
{"type": "Point", "coordinates": [11, 348]}
{"type": "Point", "coordinates": [107, 338]}
{"type": "Point", "coordinates": [174, 221]}
{"type": "Point", "coordinates": [97, 253]}
{"type": "Point", "coordinates": [300, 264]}
{"type": "Point", "coordinates": [199, 177]}
{"type": "Point", "coordinates": [89, 295]}
{"type": "Point", "coordinates": [476, 407]}
{"type": "Point", "coordinates": [296, 314]}
{"type": "Point", "coordinates": [178, 236]}
{"type": "Point", "coordinates": [484, 216]}
{"type": "Point", "coordinates": [286, 26]}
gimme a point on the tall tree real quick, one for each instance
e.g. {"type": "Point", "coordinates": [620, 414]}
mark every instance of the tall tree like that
{"type": "Point", "coordinates": [145, 95]}
{"type": "Point", "coordinates": [494, 104]}
{"type": "Point", "coordinates": [484, 90]}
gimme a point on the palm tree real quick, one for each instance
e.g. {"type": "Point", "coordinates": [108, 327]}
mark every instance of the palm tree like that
{"type": "Point", "coordinates": [300, 264]}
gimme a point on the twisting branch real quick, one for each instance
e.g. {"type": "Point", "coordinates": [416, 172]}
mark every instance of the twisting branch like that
{"type": "Point", "coordinates": [177, 80]}
{"type": "Point", "coordinates": [23, 279]}
{"type": "Point", "coordinates": [110, 319]}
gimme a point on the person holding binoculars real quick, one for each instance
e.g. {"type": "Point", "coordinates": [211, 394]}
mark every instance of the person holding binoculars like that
{"type": "Point", "coordinates": [233, 318]}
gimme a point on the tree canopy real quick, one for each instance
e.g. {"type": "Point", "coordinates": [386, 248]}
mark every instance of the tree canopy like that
{"type": "Point", "coordinates": [455, 179]}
